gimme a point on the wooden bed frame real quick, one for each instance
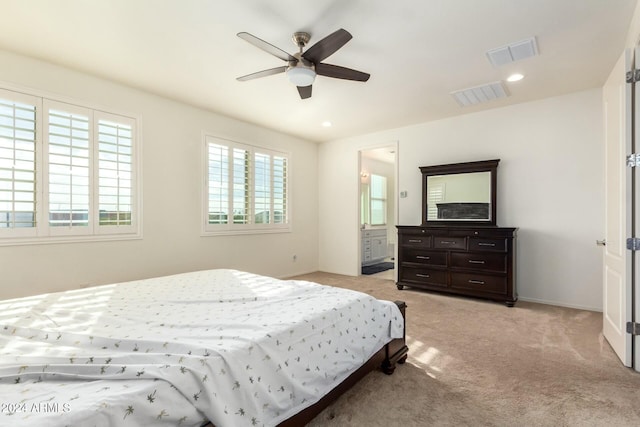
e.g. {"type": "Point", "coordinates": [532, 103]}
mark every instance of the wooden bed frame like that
{"type": "Point", "coordinates": [395, 352]}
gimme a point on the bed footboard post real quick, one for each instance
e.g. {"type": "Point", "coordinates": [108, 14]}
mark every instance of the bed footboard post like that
{"type": "Point", "coordinates": [396, 351]}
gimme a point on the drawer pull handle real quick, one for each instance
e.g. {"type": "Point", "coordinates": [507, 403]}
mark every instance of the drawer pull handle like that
{"type": "Point", "coordinates": [474, 261]}
{"type": "Point", "coordinates": [422, 257]}
{"type": "Point", "coordinates": [447, 242]}
{"type": "Point", "coordinates": [415, 240]}
{"type": "Point", "coordinates": [486, 244]}
{"type": "Point", "coordinates": [476, 282]}
{"type": "Point", "coordinates": [426, 276]}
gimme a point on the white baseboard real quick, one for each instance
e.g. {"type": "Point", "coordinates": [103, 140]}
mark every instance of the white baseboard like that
{"type": "Point", "coordinates": [560, 304]}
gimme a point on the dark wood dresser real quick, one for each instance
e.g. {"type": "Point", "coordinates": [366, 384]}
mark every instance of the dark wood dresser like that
{"type": "Point", "coordinates": [478, 261]}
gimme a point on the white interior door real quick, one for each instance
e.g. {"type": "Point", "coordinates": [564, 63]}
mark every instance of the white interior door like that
{"type": "Point", "coordinates": [633, 291]}
{"type": "Point", "coordinates": [617, 278]}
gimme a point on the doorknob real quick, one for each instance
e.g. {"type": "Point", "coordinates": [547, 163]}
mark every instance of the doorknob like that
{"type": "Point", "coordinates": [602, 242]}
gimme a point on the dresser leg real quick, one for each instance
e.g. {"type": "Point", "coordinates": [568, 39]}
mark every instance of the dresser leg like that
{"type": "Point", "coordinates": [399, 286]}
{"type": "Point", "coordinates": [510, 303]}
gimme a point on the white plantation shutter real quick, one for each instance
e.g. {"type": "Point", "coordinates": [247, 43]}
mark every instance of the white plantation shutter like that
{"type": "Point", "coordinates": [218, 184]}
{"type": "Point", "coordinates": [18, 133]}
{"type": "Point", "coordinates": [67, 136]}
{"type": "Point", "coordinates": [67, 172]}
{"type": "Point", "coordinates": [241, 189]}
{"type": "Point", "coordinates": [280, 190]}
{"type": "Point", "coordinates": [262, 188]}
{"type": "Point", "coordinates": [435, 195]}
{"type": "Point", "coordinates": [246, 183]}
{"type": "Point", "coordinates": [115, 172]}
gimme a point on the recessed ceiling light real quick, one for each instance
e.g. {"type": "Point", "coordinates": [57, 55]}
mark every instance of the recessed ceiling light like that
{"type": "Point", "coordinates": [515, 77]}
{"type": "Point", "coordinates": [326, 124]}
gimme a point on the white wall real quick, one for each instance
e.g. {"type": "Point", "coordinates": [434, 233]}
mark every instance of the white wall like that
{"type": "Point", "coordinates": [550, 185]}
{"type": "Point", "coordinates": [172, 138]}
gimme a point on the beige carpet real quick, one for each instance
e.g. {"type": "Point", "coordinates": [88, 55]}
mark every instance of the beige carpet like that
{"type": "Point", "coordinates": [479, 363]}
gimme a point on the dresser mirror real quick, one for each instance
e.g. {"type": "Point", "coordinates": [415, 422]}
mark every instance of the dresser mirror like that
{"type": "Point", "coordinates": [459, 193]}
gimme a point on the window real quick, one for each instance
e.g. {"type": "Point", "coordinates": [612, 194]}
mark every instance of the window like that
{"type": "Point", "coordinates": [18, 130]}
{"type": "Point", "coordinates": [66, 171]}
{"type": "Point", "coordinates": [246, 188]}
{"type": "Point", "coordinates": [378, 200]}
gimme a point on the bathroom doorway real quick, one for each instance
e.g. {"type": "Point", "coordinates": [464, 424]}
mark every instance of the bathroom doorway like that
{"type": "Point", "coordinates": [378, 211]}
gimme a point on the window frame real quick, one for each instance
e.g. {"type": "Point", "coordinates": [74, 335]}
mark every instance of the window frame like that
{"type": "Point", "coordinates": [231, 228]}
{"type": "Point", "coordinates": [43, 232]}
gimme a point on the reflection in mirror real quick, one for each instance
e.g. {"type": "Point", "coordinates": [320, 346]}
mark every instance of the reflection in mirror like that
{"type": "Point", "coordinates": [459, 193]}
{"type": "Point", "coordinates": [462, 196]}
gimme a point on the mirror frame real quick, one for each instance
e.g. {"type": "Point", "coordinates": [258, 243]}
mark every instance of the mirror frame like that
{"type": "Point", "coordinates": [456, 168]}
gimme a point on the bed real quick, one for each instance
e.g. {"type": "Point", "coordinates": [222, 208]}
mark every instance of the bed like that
{"type": "Point", "coordinates": [223, 347]}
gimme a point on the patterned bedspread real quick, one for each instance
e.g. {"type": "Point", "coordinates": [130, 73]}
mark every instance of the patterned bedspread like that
{"type": "Point", "coordinates": [230, 347]}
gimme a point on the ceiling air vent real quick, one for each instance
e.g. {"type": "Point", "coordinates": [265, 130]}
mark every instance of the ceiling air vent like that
{"type": "Point", "coordinates": [513, 52]}
{"type": "Point", "coordinates": [480, 94]}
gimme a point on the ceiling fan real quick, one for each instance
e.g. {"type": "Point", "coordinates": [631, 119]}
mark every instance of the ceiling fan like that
{"type": "Point", "coordinates": [302, 67]}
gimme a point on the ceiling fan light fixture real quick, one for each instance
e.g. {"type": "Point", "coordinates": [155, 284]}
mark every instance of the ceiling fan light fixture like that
{"type": "Point", "coordinates": [301, 76]}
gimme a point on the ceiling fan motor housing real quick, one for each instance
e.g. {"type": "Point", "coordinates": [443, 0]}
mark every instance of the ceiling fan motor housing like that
{"type": "Point", "coordinates": [301, 39]}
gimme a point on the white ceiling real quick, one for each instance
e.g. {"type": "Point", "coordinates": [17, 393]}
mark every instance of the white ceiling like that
{"type": "Point", "coordinates": [417, 52]}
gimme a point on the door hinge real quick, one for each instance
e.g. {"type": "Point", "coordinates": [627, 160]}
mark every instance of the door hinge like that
{"type": "Point", "coordinates": [633, 243]}
{"type": "Point", "coordinates": [633, 160]}
{"type": "Point", "coordinates": [633, 76]}
{"type": "Point", "coordinates": [633, 328]}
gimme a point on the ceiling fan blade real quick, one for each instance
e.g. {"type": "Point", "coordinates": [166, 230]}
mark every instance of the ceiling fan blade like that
{"type": "Point", "coordinates": [327, 46]}
{"type": "Point", "coordinates": [267, 47]}
{"type": "Point", "coordinates": [338, 72]}
{"type": "Point", "coordinates": [263, 73]}
{"type": "Point", "coordinates": [304, 91]}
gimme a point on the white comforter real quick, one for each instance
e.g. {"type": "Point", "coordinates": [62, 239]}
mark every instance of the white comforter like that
{"type": "Point", "coordinates": [221, 345]}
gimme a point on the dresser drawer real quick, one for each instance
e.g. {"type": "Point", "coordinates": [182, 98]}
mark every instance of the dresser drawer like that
{"type": "Point", "coordinates": [487, 244]}
{"type": "Point", "coordinates": [415, 240]}
{"type": "Point", "coordinates": [449, 242]}
{"type": "Point", "coordinates": [424, 275]}
{"type": "Point", "coordinates": [479, 282]}
{"type": "Point", "coordinates": [479, 261]}
{"type": "Point", "coordinates": [425, 257]}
